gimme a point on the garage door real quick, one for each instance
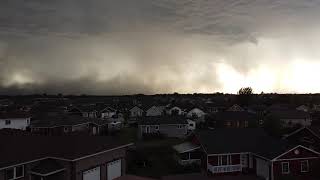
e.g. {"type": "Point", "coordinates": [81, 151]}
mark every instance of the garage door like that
{"type": "Point", "coordinates": [262, 169]}
{"type": "Point", "coordinates": [92, 174]}
{"type": "Point", "coordinates": [114, 169]}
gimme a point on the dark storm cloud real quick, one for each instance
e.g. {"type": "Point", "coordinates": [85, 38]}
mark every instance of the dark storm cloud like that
{"type": "Point", "coordinates": [143, 46]}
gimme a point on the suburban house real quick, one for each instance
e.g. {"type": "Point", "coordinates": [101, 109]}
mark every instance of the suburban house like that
{"type": "Point", "coordinates": [169, 126]}
{"type": "Point", "coordinates": [235, 108]}
{"type": "Point", "coordinates": [15, 120]}
{"type": "Point", "coordinates": [232, 119]}
{"type": "Point", "coordinates": [88, 111]}
{"type": "Point", "coordinates": [62, 157]}
{"type": "Point", "coordinates": [306, 136]}
{"type": "Point", "coordinates": [68, 124]}
{"type": "Point", "coordinates": [155, 111]}
{"type": "Point", "coordinates": [108, 112]}
{"type": "Point", "coordinates": [136, 111]}
{"type": "Point", "coordinates": [291, 118]}
{"type": "Point", "coordinates": [187, 153]}
{"type": "Point", "coordinates": [251, 150]}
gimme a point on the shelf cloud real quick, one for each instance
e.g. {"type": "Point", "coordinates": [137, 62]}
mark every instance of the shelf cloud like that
{"type": "Point", "coordinates": [158, 46]}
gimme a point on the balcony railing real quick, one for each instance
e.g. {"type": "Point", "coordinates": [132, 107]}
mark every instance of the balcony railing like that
{"type": "Point", "coordinates": [224, 169]}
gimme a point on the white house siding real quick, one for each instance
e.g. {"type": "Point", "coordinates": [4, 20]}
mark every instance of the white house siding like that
{"type": "Point", "coordinates": [262, 168]}
{"type": "Point", "coordinates": [15, 123]}
{"type": "Point", "coordinates": [154, 111]}
{"type": "Point", "coordinates": [136, 112]}
{"type": "Point", "coordinates": [169, 130]}
{"type": "Point", "coordinates": [173, 130]}
{"type": "Point", "coordinates": [107, 114]}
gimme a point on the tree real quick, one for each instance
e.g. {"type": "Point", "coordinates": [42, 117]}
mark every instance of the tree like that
{"type": "Point", "coordinates": [245, 91]}
{"type": "Point", "coordinates": [244, 96]}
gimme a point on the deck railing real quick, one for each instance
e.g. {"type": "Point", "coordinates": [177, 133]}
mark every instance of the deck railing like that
{"type": "Point", "coordinates": [224, 169]}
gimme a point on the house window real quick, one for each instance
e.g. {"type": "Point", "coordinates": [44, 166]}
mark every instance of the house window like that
{"type": "Point", "coordinates": [285, 168]}
{"type": "Point", "coordinates": [224, 160]}
{"type": "Point", "coordinates": [246, 123]}
{"type": "Point", "coordinates": [15, 172]}
{"type": "Point", "coordinates": [261, 122]}
{"type": "Point", "coordinates": [65, 129]}
{"type": "Point", "coordinates": [305, 166]}
{"type": "Point", "coordinates": [8, 122]}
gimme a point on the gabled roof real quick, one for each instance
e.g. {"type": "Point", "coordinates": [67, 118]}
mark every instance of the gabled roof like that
{"type": "Point", "coordinates": [313, 130]}
{"type": "Point", "coordinates": [136, 107]}
{"type": "Point", "coordinates": [185, 147]}
{"type": "Point", "coordinates": [108, 109]}
{"type": "Point", "coordinates": [234, 116]}
{"type": "Point", "coordinates": [239, 140]}
{"type": "Point", "coordinates": [22, 149]}
{"type": "Point", "coordinates": [235, 107]}
{"type": "Point", "coordinates": [157, 120]}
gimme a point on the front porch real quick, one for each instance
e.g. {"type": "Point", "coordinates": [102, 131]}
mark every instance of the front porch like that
{"type": "Point", "coordinates": [225, 169]}
{"type": "Point", "coordinates": [187, 153]}
{"type": "Point", "coordinates": [230, 163]}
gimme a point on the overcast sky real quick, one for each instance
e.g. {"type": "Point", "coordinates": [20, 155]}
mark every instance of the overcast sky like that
{"type": "Point", "coordinates": [159, 46]}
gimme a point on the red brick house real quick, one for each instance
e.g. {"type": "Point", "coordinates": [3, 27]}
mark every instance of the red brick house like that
{"type": "Point", "coordinates": [251, 150]}
{"type": "Point", "coordinates": [61, 157]}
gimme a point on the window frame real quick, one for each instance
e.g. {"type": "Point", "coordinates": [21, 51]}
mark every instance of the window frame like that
{"type": "Point", "coordinates": [282, 168]}
{"type": "Point", "coordinates": [7, 122]}
{"type": "Point", "coordinates": [65, 129]}
{"type": "Point", "coordinates": [180, 126]}
{"type": "Point", "coordinates": [307, 165]}
{"type": "Point", "coordinates": [15, 173]}
{"type": "Point", "coordinates": [224, 158]}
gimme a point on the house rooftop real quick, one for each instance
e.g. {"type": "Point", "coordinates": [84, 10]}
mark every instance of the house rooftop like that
{"type": "Point", "coordinates": [185, 147]}
{"type": "Point", "coordinates": [156, 120]}
{"type": "Point", "coordinates": [11, 115]}
{"type": "Point", "coordinates": [21, 149]}
{"type": "Point", "coordinates": [47, 166]}
{"type": "Point", "coordinates": [234, 116]}
{"type": "Point", "coordinates": [241, 140]}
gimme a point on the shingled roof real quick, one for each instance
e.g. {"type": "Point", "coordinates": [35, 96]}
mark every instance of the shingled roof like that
{"type": "Point", "coordinates": [241, 140]}
{"type": "Point", "coordinates": [21, 149]}
{"type": "Point", "coordinates": [156, 120]}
